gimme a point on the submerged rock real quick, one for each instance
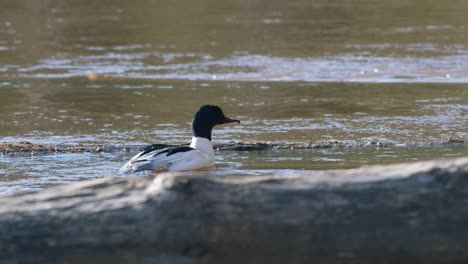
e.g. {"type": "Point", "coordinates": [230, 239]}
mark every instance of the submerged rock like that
{"type": "Point", "coordinates": [27, 148]}
{"type": "Point", "coordinates": [405, 213]}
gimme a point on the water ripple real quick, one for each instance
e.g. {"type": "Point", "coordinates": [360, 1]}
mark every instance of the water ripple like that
{"type": "Point", "coordinates": [354, 67]}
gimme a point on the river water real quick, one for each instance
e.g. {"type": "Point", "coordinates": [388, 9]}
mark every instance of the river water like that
{"type": "Point", "coordinates": [126, 73]}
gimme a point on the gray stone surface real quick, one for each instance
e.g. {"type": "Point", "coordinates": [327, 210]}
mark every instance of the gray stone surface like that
{"type": "Point", "coordinates": [405, 213]}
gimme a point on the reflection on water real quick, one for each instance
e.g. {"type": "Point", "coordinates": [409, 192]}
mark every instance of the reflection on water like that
{"type": "Point", "coordinates": [138, 112]}
{"type": "Point", "coordinates": [348, 67]}
{"type": "Point", "coordinates": [299, 40]}
{"type": "Point", "coordinates": [38, 172]}
{"type": "Point", "coordinates": [42, 171]}
{"type": "Point", "coordinates": [330, 159]}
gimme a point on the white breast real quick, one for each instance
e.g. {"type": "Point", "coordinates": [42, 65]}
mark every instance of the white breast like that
{"type": "Point", "coordinates": [204, 146]}
{"type": "Point", "coordinates": [200, 158]}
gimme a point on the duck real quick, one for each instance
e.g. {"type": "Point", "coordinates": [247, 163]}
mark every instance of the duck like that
{"type": "Point", "coordinates": [198, 156]}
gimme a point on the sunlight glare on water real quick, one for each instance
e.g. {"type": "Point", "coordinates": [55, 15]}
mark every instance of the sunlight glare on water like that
{"type": "Point", "coordinates": [347, 67]}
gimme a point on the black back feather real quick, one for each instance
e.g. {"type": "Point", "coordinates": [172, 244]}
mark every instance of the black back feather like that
{"type": "Point", "coordinates": [172, 151]}
{"type": "Point", "coordinates": [152, 148]}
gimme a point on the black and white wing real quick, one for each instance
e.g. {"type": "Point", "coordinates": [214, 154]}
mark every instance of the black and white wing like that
{"type": "Point", "coordinates": [154, 158]}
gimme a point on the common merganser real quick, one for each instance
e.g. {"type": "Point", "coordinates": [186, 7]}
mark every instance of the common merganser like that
{"type": "Point", "coordinates": [198, 156]}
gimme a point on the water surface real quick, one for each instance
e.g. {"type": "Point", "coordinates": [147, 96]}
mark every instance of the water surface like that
{"type": "Point", "coordinates": [299, 40]}
{"type": "Point", "coordinates": [42, 171]}
{"type": "Point", "coordinates": [127, 73]}
{"type": "Point", "coordinates": [141, 112]}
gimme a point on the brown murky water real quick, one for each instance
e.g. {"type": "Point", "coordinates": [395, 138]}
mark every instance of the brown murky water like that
{"type": "Point", "coordinates": [140, 111]}
{"type": "Point", "coordinates": [133, 73]}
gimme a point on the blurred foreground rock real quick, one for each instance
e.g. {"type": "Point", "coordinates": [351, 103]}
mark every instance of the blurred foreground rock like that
{"type": "Point", "coordinates": [408, 213]}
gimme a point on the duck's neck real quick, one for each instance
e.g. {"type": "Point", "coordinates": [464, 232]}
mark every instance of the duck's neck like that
{"type": "Point", "coordinates": [201, 130]}
{"type": "Point", "coordinates": [203, 145]}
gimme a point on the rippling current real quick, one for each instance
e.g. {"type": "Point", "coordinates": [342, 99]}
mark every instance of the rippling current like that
{"type": "Point", "coordinates": [348, 67]}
